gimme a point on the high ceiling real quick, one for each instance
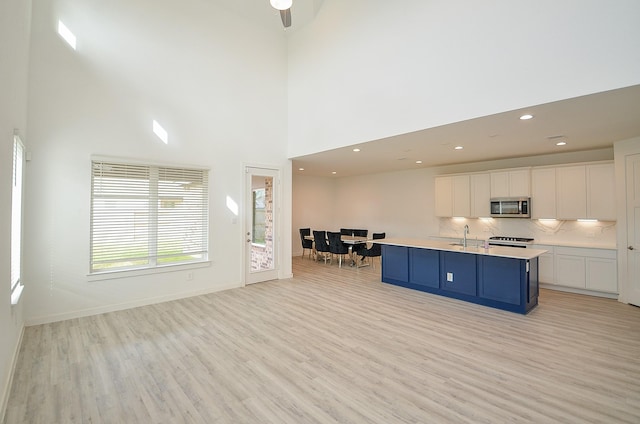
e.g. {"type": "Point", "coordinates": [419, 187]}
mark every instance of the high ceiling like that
{"type": "Point", "coordinates": [585, 123]}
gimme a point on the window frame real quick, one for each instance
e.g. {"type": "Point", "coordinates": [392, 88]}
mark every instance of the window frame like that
{"type": "Point", "coordinates": [154, 202]}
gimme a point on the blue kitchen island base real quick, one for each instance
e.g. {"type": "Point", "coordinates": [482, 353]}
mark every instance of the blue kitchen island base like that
{"type": "Point", "coordinates": [501, 282]}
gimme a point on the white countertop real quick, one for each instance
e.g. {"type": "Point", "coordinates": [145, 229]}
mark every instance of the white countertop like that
{"type": "Point", "coordinates": [502, 251]}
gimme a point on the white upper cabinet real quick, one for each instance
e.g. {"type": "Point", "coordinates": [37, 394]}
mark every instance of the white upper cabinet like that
{"type": "Point", "coordinates": [571, 183]}
{"type": "Point", "coordinates": [453, 196]}
{"type": "Point", "coordinates": [514, 183]}
{"type": "Point", "coordinates": [570, 192]}
{"type": "Point", "coordinates": [480, 195]}
{"type": "Point", "coordinates": [586, 191]}
{"type": "Point", "coordinates": [601, 193]}
{"type": "Point", "coordinates": [444, 196]}
{"type": "Point", "coordinates": [461, 196]}
{"type": "Point", "coordinates": [543, 193]}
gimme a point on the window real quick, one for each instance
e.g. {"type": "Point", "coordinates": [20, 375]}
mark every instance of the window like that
{"type": "Point", "coordinates": [145, 216]}
{"type": "Point", "coordinates": [16, 220]}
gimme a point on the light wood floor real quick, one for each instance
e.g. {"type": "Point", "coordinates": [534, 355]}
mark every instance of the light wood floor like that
{"type": "Point", "coordinates": [334, 345]}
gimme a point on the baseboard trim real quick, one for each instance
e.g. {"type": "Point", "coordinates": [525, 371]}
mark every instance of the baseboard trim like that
{"type": "Point", "coordinates": [578, 291]}
{"type": "Point", "coordinates": [6, 388]}
{"type": "Point", "coordinates": [46, 319]}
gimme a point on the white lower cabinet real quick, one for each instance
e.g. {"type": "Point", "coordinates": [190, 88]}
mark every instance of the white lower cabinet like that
{"type": "Point", "coordinates": [581, 268]}
{"type": "Point", "coordinates": [546, 265]}
{"type": "Point", "coordinates": [602, 274]}
{"type": "Point", "coordinates": [571, 271]}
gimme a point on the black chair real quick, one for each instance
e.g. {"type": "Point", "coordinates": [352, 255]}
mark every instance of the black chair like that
{"type": "Point", "coordinates": [336, 246]}
{"type": "Point", "coordinates": [306, 244]}
{"type": "Point", "coordinates": [374, 251]}
{"type": "Point", "coordinates": [346, 231]}
{"type": "Point", "coordinates": [320, 239]}
{"type": "Point", "coordinates": [360, 233]}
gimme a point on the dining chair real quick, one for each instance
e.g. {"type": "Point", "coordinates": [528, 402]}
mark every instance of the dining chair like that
{"type": "Point", "coordinates": [346, 231]}
{"type": "Point", "coordinates": [374, 251]}
{"type": "Point", "coordinates": [336, 246]}
{"type": "Point", "coordinates": [306, 244]}
{"type": "Point", "coordinates": [357, 248]}
{"type": "Point", "coordinates": [320, 240]}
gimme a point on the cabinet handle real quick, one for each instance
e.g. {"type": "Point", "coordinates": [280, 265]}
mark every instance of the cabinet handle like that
{"type": "Point", "coordinates": [631, 248]}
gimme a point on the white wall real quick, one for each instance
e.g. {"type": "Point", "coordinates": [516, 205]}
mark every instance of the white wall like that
{"type": "Point", "coordinates": [402, 205]}
{"type": "Point", "coordinates": [14, 46]}
{"type": "Point", "coordinates": [214, 80]}
{"type": "Point", "coordinates": [369, 69]}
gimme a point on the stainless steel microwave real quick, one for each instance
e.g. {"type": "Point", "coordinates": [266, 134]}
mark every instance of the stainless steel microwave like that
{"type": "Point", "coordinates": [511, 207]}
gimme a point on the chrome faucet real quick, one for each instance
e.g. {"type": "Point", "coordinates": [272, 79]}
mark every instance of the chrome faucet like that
{"type": "Point", "coordinates": [464, 240]}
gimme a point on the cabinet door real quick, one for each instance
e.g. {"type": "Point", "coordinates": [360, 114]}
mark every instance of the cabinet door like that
{"type": "Point", "coordinates": [480, 195]}
{"type": "Point", "coordinates": [602, 275]}
{"type": "Point", "coordinates": [395, 264]}
{"type": "Point", "coordinates": [601, 192]}
{"type": "Point", "coordinates": [546, 268]}
{"type": "Point", "coordinates": [444, 196]}
{"type": "Point", "coordinates": [520, 183]}
{"type": "Point", "coordinates": [458, 272]}
{"type": "Point", "coordinates": [461, 197]}
{"type": "Point", "coordinates": [572, 192]}
{"type": "Point", "coordinates": [500, 184]}
{"type": "Point", "coordinates": [543, 193]}
{"type": "Point", "coordinates": [424, 267]}
{"type": "Point", "coordinates": [570, 271]}
{"type": "Point", "coordinates": [500, 279]}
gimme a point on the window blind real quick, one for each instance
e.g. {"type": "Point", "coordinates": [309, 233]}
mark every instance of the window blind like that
{"type": "Point", "coordinates": [16, 216]}
{"type": "Point", "coordinates": [145, 216]}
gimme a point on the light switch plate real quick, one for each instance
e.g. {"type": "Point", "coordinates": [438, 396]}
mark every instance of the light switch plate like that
{"type": "Point", "coordinates": [450, 277]}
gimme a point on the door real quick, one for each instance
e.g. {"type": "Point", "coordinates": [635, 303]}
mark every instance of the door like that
{"type": "Point", "coordinates": [632, 171]}
{"type": "Point", "coordinates": [261, 224]}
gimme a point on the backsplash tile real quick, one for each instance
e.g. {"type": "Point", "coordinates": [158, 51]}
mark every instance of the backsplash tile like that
{"type": "Point", "coordinates": [588, 234]}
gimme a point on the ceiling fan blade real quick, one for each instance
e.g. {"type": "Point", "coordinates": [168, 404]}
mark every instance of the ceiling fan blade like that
{"type": "Point", "coordinates": [285, 15]}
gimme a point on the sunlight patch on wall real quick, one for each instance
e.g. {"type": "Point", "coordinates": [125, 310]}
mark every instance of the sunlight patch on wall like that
{"type": "Point", "coordinates": [67, 35]}
{"type": "Point", "coordinates": [232, 206]}
{"type": "Point", "coordinates": [160, 132]}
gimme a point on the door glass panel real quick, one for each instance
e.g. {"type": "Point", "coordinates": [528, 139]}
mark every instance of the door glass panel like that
{"type": "Point", "coordinates": [263, 223]}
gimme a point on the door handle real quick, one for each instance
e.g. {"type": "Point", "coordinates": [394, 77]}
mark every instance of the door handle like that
{"type": "Point", "coordinates": [631, 248]}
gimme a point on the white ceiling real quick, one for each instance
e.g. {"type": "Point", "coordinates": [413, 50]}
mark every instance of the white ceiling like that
{"type": "Point", "coordinates": [589, 122]}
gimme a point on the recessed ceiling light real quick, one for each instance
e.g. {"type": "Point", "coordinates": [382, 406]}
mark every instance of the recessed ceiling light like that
{"type": "Point", "coordinates": [418, 161]}
{"type": "Point", "coordinates": [526, 117]}
{"type": "Point", "coordinates": [561, 143]}
{"type": "Point", "coordinates": [300, 169]}
{"type": "Point", "coordinates": [334, 172]}
{"type": "Point", "coordinates": [458, 147]}
{"type": "Point", "coordinates": [356, 150]}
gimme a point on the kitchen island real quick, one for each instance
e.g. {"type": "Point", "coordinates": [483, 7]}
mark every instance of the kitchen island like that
{"type": "Point", "coordinates": [500, 277]}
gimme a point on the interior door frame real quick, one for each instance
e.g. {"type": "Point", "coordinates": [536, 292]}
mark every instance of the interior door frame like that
{"type": "Point", "coordinates": [248, 171]}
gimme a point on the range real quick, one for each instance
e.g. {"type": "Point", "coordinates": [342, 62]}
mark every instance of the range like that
{"type": "Point", "coordinates": [510, 241]}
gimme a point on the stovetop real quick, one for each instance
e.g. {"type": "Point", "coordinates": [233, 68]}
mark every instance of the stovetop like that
{"type": "Point", "coordinates": [516, 239]}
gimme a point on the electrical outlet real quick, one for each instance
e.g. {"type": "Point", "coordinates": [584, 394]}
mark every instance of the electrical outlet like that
{"type": "Point", "coordinates": [450, 277]}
